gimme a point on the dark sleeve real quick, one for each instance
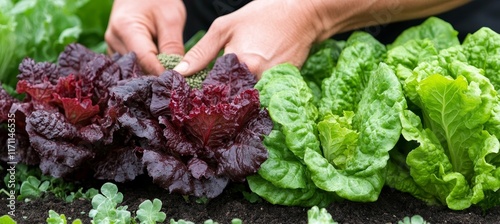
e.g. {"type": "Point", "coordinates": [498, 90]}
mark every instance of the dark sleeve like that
{"type": "Point", "coordinates": [465, 19]}
{"type": "Point", "coordinates": [201, 13]}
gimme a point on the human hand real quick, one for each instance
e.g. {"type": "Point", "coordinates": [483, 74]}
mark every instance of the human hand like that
{"type": "Point", "coordinates": [262, 34]}
{"type": "Point", "coordinates": [147, 28]}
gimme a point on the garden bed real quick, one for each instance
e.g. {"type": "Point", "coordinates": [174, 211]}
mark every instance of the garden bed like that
{"type": "Point", "coordinates": [391, 207]}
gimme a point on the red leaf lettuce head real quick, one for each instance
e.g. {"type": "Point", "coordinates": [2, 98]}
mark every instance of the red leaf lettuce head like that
{"type": "Point", "coordinates": [67, 117]}
{"type": "Point", "coordinates": [213, 134]}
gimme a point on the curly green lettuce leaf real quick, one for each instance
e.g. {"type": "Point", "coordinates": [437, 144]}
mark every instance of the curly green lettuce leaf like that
{"type": "Point", "coordinates": [456, 112]}
{"type": "Point", "coordinates": [306, 197]}
{"type": "Point", "coordinates": [322, 60]}
{"type": "Point", "coordinates": [398, 177]}
{"type": "Point", "coordinates": [282, 168]}
{"type": "Point", "coordinates": [342, 90]}
{"type": "Point", "coordinates": [283, 77]}
{"type": "Point", "coordinates": [283, 178]}
{"type": "Point", "coordinates": [440, 32]}
{"type": "Point", "coordinates": [431, 169]}
{"type": "Point", "coordinates": [293, 112]}
{"type": "Point", "coordinates": [362, 188]}
{"type": "Point", "coordinates": [290, 103]}
{"type": "Point", "coordinates": [482, 49]}
{"type": "Point", "coordinates": [415, 76]}
{"type": "Point", "coordinates": [411, 53]}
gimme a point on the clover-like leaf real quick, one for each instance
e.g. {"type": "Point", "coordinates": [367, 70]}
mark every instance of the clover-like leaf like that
{"type": "Point", "coordinates": [149, 212]}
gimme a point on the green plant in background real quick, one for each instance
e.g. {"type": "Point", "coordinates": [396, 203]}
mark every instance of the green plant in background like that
{"type": "Point", "coordinates": [22, 174]}
{"type": "Point", "coordinates": [40, 29]}
{"type": "Point", "coordinates": [32, 187]}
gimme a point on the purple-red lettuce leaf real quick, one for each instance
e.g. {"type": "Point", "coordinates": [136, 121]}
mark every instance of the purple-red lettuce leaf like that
{"type": "Point", "coordinates": [6, 102]}
{"type": "Point", "coordinates": [129, 68]}
{"type": "Point", "coordinates": [177, 142]}
{"type": "Point", "coordinates": [230, 72]}
{"type": "Point", "coordinates": [133, 99]}
{"type": "Point", "coordinates": [36, 73]}
{"type": "Point", "coordinates": [171, 173]}
{"type": "Point", "coordinates": [161, 90]}
{"type": "Point", "coordinates": [245, 156]}
{"type": "Point", "coordinates": [57, 158]}
{"type": "Point", "coordinates": [74, 59]}
{"type": "Point", "coordinates": [120, 164]}
{"type": "Point", "coordinates": [207, 118]}
{"type": "Point", "coordinates": [72, 126]}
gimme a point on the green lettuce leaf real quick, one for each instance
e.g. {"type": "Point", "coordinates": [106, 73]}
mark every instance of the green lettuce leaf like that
{"type": "Point", "coordinates": [282, 168]}
{"type": "Point", "coordinates": [283, 77]}
{"type": "Point", "coordinates": [306, 197]}
{"type": "Point", "coordinates": [290, 104]}
{"type": "Point", "coordinates": [7, 44]}
{"type": "Point", "coordinates": [342, 90]}
{"type": "Point", "coordinates": [321, 60]}
{"type": "Point", "coordinates": [411, 53]}
{"type": "Point", "coordinates": [40, 29]}
{"type": "Point", "coordinates": [482, 50]}
{"type": "Point", "coordinates": [441, 33]}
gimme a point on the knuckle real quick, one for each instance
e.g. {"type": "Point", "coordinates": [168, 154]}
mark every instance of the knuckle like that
{"type": "Point", "coordinates": [195, 54]}
{"type": "Point", "coordinates": [173, 47]}
{"type": "Point", "coordinates": [255, 63]}
{"type": "Point", "coordinates": [219, 24]}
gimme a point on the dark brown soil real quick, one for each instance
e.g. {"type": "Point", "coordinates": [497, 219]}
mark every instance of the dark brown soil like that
{"type": "Point", "coordinates": [391, 207]}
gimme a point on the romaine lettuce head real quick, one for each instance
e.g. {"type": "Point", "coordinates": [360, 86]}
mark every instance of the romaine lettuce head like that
{"type": "Point", "coordinates": [341, 155]}
{"type": "Point", "coordinates": [453, 160]}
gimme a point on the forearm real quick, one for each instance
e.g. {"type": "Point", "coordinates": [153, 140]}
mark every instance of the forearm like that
{"type": "Point", "coordinates": [337, 16]}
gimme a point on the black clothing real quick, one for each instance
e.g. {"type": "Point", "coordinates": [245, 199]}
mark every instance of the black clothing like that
{"type": "Point", "coordinates": [465, 19]}
{"type": "Point", "coordinates": [201, 13]}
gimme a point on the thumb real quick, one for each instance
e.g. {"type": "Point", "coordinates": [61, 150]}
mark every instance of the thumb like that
{"type": "Point", "coordinates": [201, 54]}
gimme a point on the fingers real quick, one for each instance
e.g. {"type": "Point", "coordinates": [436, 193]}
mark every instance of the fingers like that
{"type": "Point", "coordinates": [205, 50]}
{"type": "Point", "coordinates": [170, 35]}
{"type": "Point", "coordinates": [141, 43]}
{"type": "Point", "coordinates": [135, 26]}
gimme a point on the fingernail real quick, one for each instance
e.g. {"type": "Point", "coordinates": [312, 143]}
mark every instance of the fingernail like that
{"type": "Point", "coordinates": [182, 67]}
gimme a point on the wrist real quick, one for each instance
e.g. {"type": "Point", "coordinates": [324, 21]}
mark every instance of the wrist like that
{"type": "Point", "coordinates": [336, 16]}
{"type": "Point", "coordinates": [329, 17]}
